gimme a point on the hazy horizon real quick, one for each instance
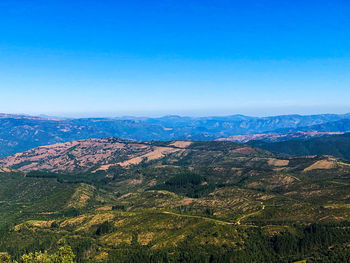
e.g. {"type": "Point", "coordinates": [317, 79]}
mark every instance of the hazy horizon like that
{"type": "Point", "coordinates": [116, 115]}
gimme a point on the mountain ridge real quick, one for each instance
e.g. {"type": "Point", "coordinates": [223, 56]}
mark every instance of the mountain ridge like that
{"type": "Point", "coordinates": [19, 133]}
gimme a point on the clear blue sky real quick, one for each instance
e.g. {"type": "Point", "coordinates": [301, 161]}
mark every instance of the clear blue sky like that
{"type": "Point", "coordinates": [258, 57]}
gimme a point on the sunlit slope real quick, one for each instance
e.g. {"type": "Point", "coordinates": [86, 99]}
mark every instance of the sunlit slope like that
{"type": "Point", "coordinates": [128, 201]}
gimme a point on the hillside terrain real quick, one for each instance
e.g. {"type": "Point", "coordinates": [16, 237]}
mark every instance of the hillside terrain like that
{"type": "Point", "coordinates": [338, 146]}
{"type": "Point", "coordinates": [113, 200]}
{"type": "Point", "coordinates": [20, 133]}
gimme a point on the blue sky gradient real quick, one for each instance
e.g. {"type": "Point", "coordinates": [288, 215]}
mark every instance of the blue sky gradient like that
{"type": "Point", "coordinates": [151, 58]}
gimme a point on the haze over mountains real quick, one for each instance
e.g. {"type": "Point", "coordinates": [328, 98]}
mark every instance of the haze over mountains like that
{"type": "Point", "coordinates": [177, 189]}
{"type": "Point", "coordinates": [19, 133]}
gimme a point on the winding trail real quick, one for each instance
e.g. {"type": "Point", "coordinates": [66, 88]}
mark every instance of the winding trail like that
{"type": "Point", "coordinates": [238, 222]}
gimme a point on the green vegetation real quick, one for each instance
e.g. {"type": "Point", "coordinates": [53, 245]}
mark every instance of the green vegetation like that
{"type": "Point", "coordinates": [337, 145]}
{"type": "Point", "coordinates": [189, 184]}
{"type": "Point", "coordinates": [105, 228]}
{"type": "Point", "coordinates": [96, 179]}
{"type": "Point", "coordinates": [64, 255]}
{"type": "Point", "coordinates": [226, 203]}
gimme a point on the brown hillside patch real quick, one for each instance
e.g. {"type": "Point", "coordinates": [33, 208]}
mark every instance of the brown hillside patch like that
{"type": "Point", "coordinates": [134, 182]}
{"type": "Point", "coordinates": [104, 208]}
{"type": "Point", "coordinates": [244, 150]}
{"type": "Point", "coordinates": [37, 223]}
{"type": "Point", "coordinates": [282, 179]}
{"type": "Point", "coordinates": [181, 144]}
{"type": "Point", "coordinates": [145, 238]}
{"type": "Point", "coordinates": [277, 162]}
{"type": "Point", "coordinates": [72, 155]}
{"type": "Point", "coordinates": [132, 161]}
{"type": "Point", "coordinates": [187, 201]}
{"type": "Point", "coordinates": [97, 219]}
{"type": "Point", "coordinates": [322, 164]}
{"type": "Point", "coordinates": [157, 153]}
{"type": "Point", "coordinates": [103, 168]}
{"type": "Point", "coordinates": [34, 224]}
{"type": "Point", "coordinates": [74, 221]}
{"type": "Point", "coordinates": [117, 238]}
{"type": "Point", "coordinates": [103, 256]}
{"type": "Point", "coordinates": [127, 195]}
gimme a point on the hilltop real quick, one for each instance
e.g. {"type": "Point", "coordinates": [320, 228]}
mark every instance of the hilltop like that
{"type": "Point", "coordinates": [84, 155]}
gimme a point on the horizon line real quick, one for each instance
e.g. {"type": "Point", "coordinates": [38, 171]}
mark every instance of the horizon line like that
{"type": "Point", "coordinates": [48, 116]}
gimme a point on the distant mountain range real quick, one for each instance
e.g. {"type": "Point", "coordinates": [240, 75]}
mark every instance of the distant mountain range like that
{"type": "Point", "coordinates": [334, 126]}
{"type": "Point", "coordinates": [21, 132]}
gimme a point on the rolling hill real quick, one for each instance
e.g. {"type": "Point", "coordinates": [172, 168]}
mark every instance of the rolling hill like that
{"type": "Point", "coordinates": [114, 200]}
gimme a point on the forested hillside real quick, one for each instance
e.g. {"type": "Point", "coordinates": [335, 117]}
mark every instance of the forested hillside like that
{"type": "Point", "coordinates": [338, 146]}
{"type": "Point", "coordinates": [177, 201]}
